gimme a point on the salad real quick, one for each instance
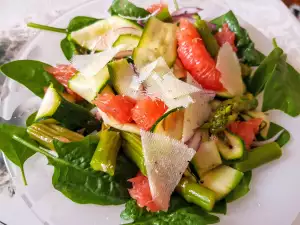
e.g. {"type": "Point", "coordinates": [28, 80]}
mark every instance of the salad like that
{"type": "Point", "coordinates": [157, 110]}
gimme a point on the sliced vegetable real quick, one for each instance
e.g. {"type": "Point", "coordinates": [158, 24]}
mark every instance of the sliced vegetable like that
{"type": "Point", "coordinates": [195, 58]}
{"type": "Point", "coordinates": [158, 39]}
{"type": "Point", "coordinates": [235, 148]}
{"type": "Point", "coordinates": [121, 76]}
{"type": "Point", "coordinates": [147, 111]}
{"type": "Point", "coordinates": [170, 124]}
{"type": "Point", "coordinates": [132, 148]}
{"type": "Point", "coordinates": [56, 107]}
{"type": "Point", "coordinates": [222, 180]}
{"type": "Point", "coordinates": [105, 156]}
{"type": "Point", "coordinates": [179, 70]}
{"type": "Point", "coordinates": [45, 133]}
{"type": "Point", "coordinates": [209, 40]}
{"type": "Point", "coordinates": [89, 87]}
{"type": "Point", "coordinates": [103, 33]}
{"type": "Point", "coordinates": [129, 40]}
{"type": "Point", "coordinates": [230, 69]}
{"type": "Point", "coordinates": [259, 156]}
{"type": "Point", "coordinates": [197, 194]}
{"type": "Point", "coordinates": [117, 106]}
{"type": "Point", "coordinates": [246, 130]}
{"type": "Point", "coordinates": [206, 158]}
{"type": "Point", "coordinates": [195, 140]}
{"type": "Point", "coordinates": [158, 150]}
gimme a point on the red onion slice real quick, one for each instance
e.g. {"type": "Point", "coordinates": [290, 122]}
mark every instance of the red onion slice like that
{"type": "Point", "coordinates": [273, 139]}
{"type": "Point", "coordinates": [195, 141]}
{"type": "Point", "coordinates": [123, 54]}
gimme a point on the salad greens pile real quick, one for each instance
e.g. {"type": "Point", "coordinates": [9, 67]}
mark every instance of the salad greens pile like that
{"type": "Point", "coordinates": [97, 154]}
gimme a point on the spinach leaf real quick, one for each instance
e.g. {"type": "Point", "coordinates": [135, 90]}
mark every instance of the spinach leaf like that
{"type": "Point", "coordinates": [68, 48]}
{"type": "Point", "coordinates": [13, 150]}
{"type": "Point", "coordinates": [67, 45]}
{"type": "Point", "coordinates": [241, 189]}
{"type": "Point", "coordinates": [246, 50]}
{"type": "Point", "coordinates": [283, 138]}
{"type": "Point", "coordinates": [264, 72]}
{"type": "Point", "coordinates": [30, 119]}
{"type": "Point", "coordinates": [220, 207]}
{"type": "Point", "coordinates": [80, 22]}
{"type": "Point", "coordinates": [77, 181]}
{"type": "Point", "coordinates": [126, 8]}
{"type": "Point", "coordinates": [282, 89]}
{"type": "Point", "coordinates": [180, 212]}
{"type": "Point", "coordinates": [31, 74]}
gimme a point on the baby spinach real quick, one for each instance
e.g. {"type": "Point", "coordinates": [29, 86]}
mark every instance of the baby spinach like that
{"type": "Point", "coordinates": [30, 119]}
{"type": "Point", "coordinates": [74, 177]}
{"type": "Point", "coordinates": [180, 212]}
{"type": "Point", "coordinates": [264, 71]}
{"type": "Point", "coordinates": [220, 207]}
{"type": "Point", "coordinates": [283, 138]}
{"type": "Point", "coordinates": [241, 189]}
{"type": "Point", "coordinates": [67, 45]}
{"type": "Point", "coordinates": [282, 89]}
{"type": "Point", "coordinates": [246, 50]}
{"type": "Point", "coordinates": [126, 8]}
{"type": "Point", "coordinates": [13, 150]}
{"type": "Point", "coordinates": [31, 74]}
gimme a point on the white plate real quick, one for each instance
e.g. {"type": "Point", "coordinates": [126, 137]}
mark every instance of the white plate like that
{"type": "Point", "coordinates": [274, 196]}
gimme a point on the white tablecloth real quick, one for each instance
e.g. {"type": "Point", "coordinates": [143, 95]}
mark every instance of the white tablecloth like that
{"type": "Point", "coordinates": [270, 16]}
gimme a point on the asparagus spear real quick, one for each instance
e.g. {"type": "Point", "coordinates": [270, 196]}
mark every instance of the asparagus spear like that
{"type": "Point", "coordinates": [105, 156]}
{"type": "Point", "coordinates": [46, 133]}
{"type": "Point", "coordinates": [197, 194]}
{"type": "Point", "coordinates": [228, 111]}
{"type": "Point", "coordinates": [208, 38]}
{"type": "Point", "coordinates": [188, 188]}
{"type": "Point", "coordinates": [259, 156]}
{"type": "Point", "coordinates": [132, 147]}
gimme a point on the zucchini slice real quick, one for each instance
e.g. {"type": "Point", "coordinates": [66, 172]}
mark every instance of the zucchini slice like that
{"type": "Point", "coordinates": [224, 94]}
{"type": "Point", "coordinates": [236, 148]}
{"type": "Point", "coordinates": [129, 40]}
{"type": "Point", "coordinates": [158, 39]}
{"type": "Point", "coordinates": [170, 124]}
{"type": "Point", "coordinates": [70, 115]}
{"type": "Point", "coordinates": [89, 87]}
{"type": "Point", "coordinates": [206, 158]}
{"type": "Point", "coordinates": [103, 33]}
{"type": "Point", "coordinates": [222, 180]}
{"type": "Point", "coordinates": [121, 76]}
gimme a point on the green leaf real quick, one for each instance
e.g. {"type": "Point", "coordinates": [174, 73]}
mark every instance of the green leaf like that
{"type": "Point", "coordinates": [241, 189]}
{"type": "Point", "coordinates": [220, 207]}
{"type": "Point", "coordinates": [180, 212]}
{"type": "Point", "coordinates": [282, 89]}
{"type": "Point", "coordinates": [77, 181]}
{"type": "Point", "coordinates": [264, 72]}
{"type": "Point", "coordinates": [80, 22]}
{"type": "Point", "coordinates": [13, 150]}
{"type": "Point", "coordinates": [283, 138]}
{"type": "Point", "coordinates": [83, 185]}
{"type": "Point", "coordinates": [126, 8]}
{"type": "Point", "coordinates": [31, 74]}
{"type": "Point", "coordinates": [68, 48]}
{"type": "Point", "coordinates": [30, 119]}
{"type": "Point", "coordinates": [246, 50]}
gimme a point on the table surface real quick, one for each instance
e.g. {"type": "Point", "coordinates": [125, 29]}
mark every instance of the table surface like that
{"type": "Point", "coordinates": [272, 18]}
